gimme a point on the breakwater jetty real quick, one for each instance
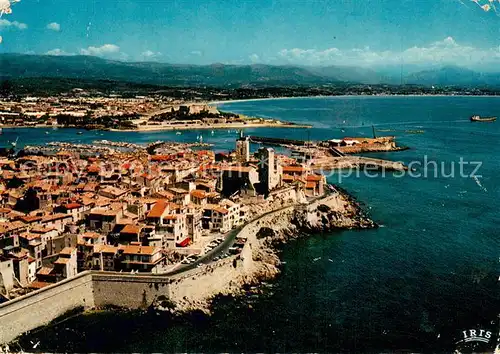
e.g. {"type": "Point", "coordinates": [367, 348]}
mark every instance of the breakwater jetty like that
{"type": "Point", "coordinates": [276, 141]}
{"type": "Point", "coordinates": [357, 163]}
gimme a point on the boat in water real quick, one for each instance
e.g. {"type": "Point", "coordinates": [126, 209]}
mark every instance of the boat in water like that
{"type": "Point", "coordinates": [477, 118]}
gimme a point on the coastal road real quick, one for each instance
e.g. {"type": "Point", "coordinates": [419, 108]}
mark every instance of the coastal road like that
{"type": "Point", "coordinates": [230, 238]}
{"type": "Point", "coordinates": [224, 246]}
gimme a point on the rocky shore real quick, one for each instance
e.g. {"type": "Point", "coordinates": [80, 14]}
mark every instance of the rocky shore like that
{"type": "Point", "coordinates": [335, 212]}
{"type": "Point", "coordinates": [246, 276]}
{"type": "Point", "coordinates": [260, 261]}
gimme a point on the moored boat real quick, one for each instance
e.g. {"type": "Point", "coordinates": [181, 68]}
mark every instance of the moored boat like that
{"type": "Point", "coordinates": [477, 118]}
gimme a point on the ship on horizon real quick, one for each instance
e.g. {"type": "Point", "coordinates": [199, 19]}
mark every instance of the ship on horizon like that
{"type": "Point", "coordinates": [477, 118]}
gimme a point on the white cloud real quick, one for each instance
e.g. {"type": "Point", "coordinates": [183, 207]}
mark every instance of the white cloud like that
{"type": "Point", "coordinates": [104, 50]}
{"type": "Point", "coordinates": [12, 24]}
{"type": "Point", "coordinates": [58, 52]}
{"type": "Point", "coordinates": [254, 58]}
{"type": "Point", "coordinates": [5, 6]}
{"type": "Point", "coordinates": [446, 51]}
{"type": "Point", "coordinates": [196, 52]}
{"type": "Point", "coordinates": [150, 55]}
{"type": "Point", "coordinates": [54, 26]}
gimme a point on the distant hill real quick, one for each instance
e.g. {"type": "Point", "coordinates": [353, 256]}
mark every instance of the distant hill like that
{"type": "Point", "coordinates": [448, 75]}
{"type": "Point", "coordinates": [94, 68]}
{"type": "Point", "coordinates": [452, 75]}
{"type": "Point", "coordinates": [354, 74]}
{"type": "Point", "coordinates": [88, 67]}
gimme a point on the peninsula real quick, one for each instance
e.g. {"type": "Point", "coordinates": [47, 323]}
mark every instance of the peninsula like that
{"type": "Point", "coordinates": [163, 226]}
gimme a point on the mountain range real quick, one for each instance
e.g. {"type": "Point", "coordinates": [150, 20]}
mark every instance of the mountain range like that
{"type": "Point", "coordinates": [90, 67]}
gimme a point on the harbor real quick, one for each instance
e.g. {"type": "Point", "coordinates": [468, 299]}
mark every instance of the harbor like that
{"type": "Point", "coordinates": [334, 154]}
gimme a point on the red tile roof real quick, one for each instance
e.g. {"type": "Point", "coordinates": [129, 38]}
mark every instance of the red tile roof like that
{"type": "Point", "coordinates": [149, 250]}
{"type": "Point", "coordinates": [30, 218]}
{"type": "Point", "coordinates": [294, 169]}
{"type": "Point", "coordinates": [158, 209]}
{"type": "Point", "coordinates": [198, 194]}
{"type": "Point", "coordinates": [72, 206]}
{"type": "Point", "coordinates": [130, 229]}
{"type": "Point", "coordinates": [67, 251]}
{"type": "Point", "coordinates": [93, 169]}
{"type": "Point", "coordinates": [37, 284]}
{"type": "Point", "coordinates": [161, 158]}
{"type": "Point", "coordinates": [316, 178]}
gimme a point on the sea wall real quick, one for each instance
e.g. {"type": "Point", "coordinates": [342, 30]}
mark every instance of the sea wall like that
{"type": "Point", "coordinates": [41, 307]}
{"type": "Point", "coordinates": [128, 291]}
{"type": "Point", "coordinates": [258, 259]}
{"type": "Point", "coordinates": [190, 289]}
{"type": "Point", "coordinates": [194, 288]}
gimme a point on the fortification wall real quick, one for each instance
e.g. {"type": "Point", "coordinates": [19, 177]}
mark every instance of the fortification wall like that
{"type": "Point", "coordinates": [277, 220]}
{"type": "Point", "coordinates": [194, 287]}
{"type": "Point", "coordinates": [129, 291]}
{"type": "Point", "coordinates": [100, 289]}
{"type": "Point", "coordinates": [41, 307]}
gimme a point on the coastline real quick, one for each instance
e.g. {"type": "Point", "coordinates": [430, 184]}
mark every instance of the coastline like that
{"type": "Point", "coordinates": [217, 103]}
{"type": "Point", "coordinates": [265, 235]}
{"type": "Point", "coordinates": [196, 289]}
{"type": "Point", "coordinates": [279, 124]}
{"type": "Point", "coordinates": [213, 126]}
{"type": "Point", "coordinates": [222, 102]}
{"type": "Point", "coordinates": [401, 239]}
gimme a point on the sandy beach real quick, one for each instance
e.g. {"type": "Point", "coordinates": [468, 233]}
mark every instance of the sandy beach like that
{"type": "Point", "coordinates": [168, 127]}
{"type": "Point", "coordinates": [216, 103]}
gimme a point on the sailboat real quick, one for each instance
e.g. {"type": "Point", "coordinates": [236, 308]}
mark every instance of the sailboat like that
{"type": "Point", "coordinates": [212, 132]}
{"type": "Point", "coordinates": [14, 143]}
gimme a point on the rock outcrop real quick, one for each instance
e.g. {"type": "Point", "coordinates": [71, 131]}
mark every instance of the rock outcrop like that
{"type": "Point", "coordinates": [334, 212]}
{"type": "Point", "coordinates": [259, 260]}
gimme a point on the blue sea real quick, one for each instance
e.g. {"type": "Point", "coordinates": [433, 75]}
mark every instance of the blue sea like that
{"type": "Point", "coordinates": [428, 273]}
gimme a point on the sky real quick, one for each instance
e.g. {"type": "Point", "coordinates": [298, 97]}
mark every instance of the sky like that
{"type": "Point", "coordinates": [368, 33]}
